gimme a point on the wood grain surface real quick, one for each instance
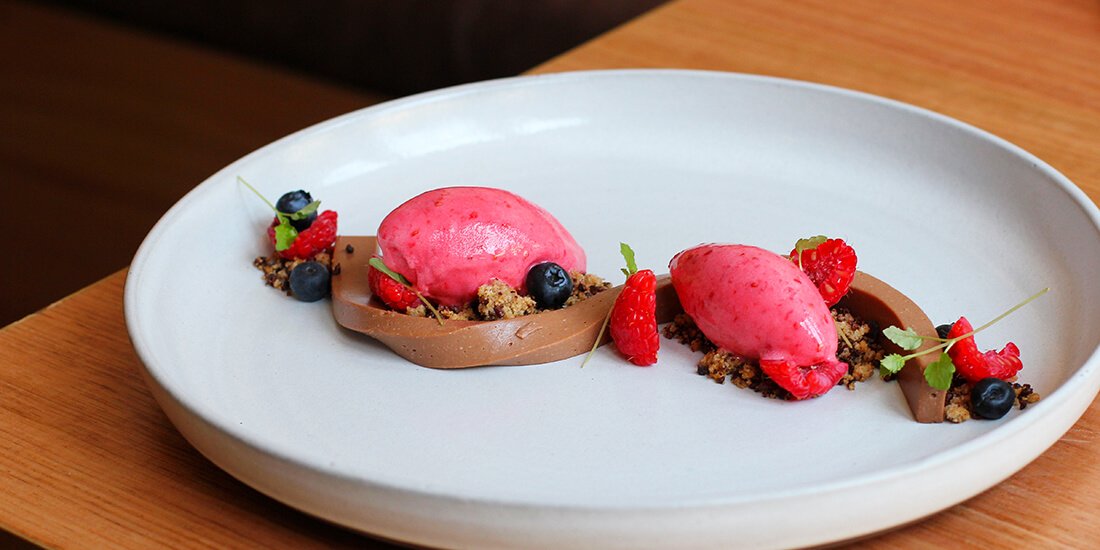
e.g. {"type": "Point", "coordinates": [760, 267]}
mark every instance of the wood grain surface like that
{"type": "Point", "coordinates": [89, 460]}
{"type": "Point", "coordinates": [1026, 71]}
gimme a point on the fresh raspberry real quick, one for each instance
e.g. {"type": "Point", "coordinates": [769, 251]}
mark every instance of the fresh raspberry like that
{"type": "Point", "coordinates": [634, 319]}
{"type": "Point", "coordinates": [318, 237]}
{"type": "Point", "coordinates": [975, 365]}
{"type": "Point", "coordinates": [805, 382]}
{"type": "Point", "coordinates": [394, 294]}
{"type": "Point", "coordinates": [831, 266]}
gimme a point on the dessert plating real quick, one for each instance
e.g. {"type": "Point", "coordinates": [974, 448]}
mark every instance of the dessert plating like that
{"type": "Point", "coordinates": [510, 282]}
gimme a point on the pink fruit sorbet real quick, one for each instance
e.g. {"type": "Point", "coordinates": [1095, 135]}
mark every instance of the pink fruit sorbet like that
{"type": "Point", "coordinates": [447, 242]}
{"type": "Point", "coordinates": [755, 303]}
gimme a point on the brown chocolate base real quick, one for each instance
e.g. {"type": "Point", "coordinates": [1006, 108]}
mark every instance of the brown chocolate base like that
{"type": "Point", "coordinates": [883, 305]}
{"type": "Point", "coordinates": [531, 339]}
{"type": "Point", "coordinates": [560, 334]}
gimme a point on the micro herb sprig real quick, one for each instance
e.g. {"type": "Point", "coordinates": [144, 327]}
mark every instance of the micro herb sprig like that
{"type": "Point", "coordinates": [938, 373]}
{"type": "Point", "coordinates": [285, 233]}
{"type": "Point", "coordinates": [628, 255]}
{"type": "Point", "coordinates": [631, 268]}
{"type": "Point", "coordinates": [377, 263]}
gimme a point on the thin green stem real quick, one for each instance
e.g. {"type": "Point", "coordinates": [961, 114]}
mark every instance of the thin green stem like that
{"type": "Point", "coordinates": [599, 337]}
{"type": "Point", "coordinates": [263, 198]}
{"type": "Point", "coordinates": [933, 338]}
{"type": "Point", "coordinates": [942, 346]}
{"type": "Point", "coordinates": [1014, 308]}
{"type": "Point", "coordinates": [428, 305]}
{"type": "Point", "coordinates": [947, 343]}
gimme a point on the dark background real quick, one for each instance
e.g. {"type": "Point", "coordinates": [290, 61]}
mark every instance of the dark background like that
{"type": "Point", "coordinates": [85, 106]}
{"type": "Point", "coordinates": [394, 47]}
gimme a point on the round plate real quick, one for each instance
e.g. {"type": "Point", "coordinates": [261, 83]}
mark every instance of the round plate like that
{"type": "Point", "coordinates": [613, 455]}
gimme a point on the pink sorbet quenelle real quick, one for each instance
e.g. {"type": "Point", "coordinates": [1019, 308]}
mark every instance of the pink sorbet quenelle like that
{"type": "Point", "coordinates": [447, 242]}
{"type": "Point", "coordinates": [760, 305]}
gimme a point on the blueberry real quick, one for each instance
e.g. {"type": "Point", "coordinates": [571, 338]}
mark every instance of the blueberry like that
{"type": "Point", "coordinates": [942, 330]}
{"type": "Point", "coordinates": [292, 202]}
{"type": "Point", "coordinates": [992, 398]}
{"type": "Point", "coordinates": [549, 284]}
{"type": "Point", "coordinates": [309, 281]}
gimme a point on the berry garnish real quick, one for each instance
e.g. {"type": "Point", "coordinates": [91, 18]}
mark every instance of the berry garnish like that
{"type": "Point", "coordinates": [378, 265]}
{"type": "Point", "coordinates": [957, 352]}
{"type": "Point", "coordinates": [284, 233]}
{"type": "Point", "coordinates": [319, 237]}
{"type": "Point", "coordinates": [309, 281]}
{"type": "Point", "coordinates": [549, 284]}
{"type": "Point", "coordinates": [634, 315]}
{"type": "Point", "coordinates": [830, 263]}
{"type": "Point", "coordinates": [975, 365]}
{"type": "Point", "coordinates": [394, 294]}
{"type": "Point", "coordinates": [293, 202]}
{"type": "Point", "coordinates": [992, 398]}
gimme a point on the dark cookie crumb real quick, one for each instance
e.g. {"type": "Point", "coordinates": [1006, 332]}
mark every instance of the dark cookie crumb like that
{"type": "Point", "coordinates": [1025, 395]}
{"type": "Point", "coordinates": [683, 330]}
{"type": "Point", "coordinates": [459, 313]}
{"type": "Point", "coordinates": [957, 406]}
{"type": "Point", "coordinates": [496, 300]}
{"type": "Point", "coordinates": [454, 313]}
{"type": "Point", "coordinates": [277, 270]}
{"type": "Point", "coordinates": [585, 285]}
{"type": "Point", "coordinates": [856, 347]}
{"type": "Point", "coordinates": [719, 364]}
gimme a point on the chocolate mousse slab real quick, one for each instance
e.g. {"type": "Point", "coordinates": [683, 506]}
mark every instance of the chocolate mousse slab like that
{"type": "Point", "coordinates": [883, 305]}
{"type": "Point", "coordinates": [540, 338]}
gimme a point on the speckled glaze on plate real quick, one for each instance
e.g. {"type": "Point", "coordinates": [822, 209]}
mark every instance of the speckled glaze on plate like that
{"type": "Point", "coordinates": [613, 455]}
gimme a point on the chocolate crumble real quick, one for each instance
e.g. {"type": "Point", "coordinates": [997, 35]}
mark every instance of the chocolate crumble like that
{"type": "Point", "coordinates": [496, 300]}
{"type": "Point", "coordinates": [857, 347]}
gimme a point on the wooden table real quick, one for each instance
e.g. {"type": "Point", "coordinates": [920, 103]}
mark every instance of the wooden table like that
{"type": "Point", "coordinates": [88, 459]}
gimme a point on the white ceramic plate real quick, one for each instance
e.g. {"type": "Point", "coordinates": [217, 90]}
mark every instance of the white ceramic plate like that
{"type": "Point", "coordinates": [612, 455]}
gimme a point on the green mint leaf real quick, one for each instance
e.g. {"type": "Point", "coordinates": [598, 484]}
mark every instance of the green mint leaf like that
{"type": "Point", "coordinates": [306, 211]}
{"type": "Point", "coordinates": [284, 234]}
{"type": "Point", "coordinates": [906, 339]}
{"type": "Point", "coordinates": [376, 263]}
{"type": "Point", "coordinates": [892, 363]}
{"type": "Point", "coordinates": [939, 373]}
{"type": "Point", "coordinates": [628, 255]}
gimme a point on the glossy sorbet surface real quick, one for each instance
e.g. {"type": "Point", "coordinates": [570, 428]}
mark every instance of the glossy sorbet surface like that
{"type": "Point", "coordinates": [754, 303]}
{"type": "Point", "coordinates": [447, 242]}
